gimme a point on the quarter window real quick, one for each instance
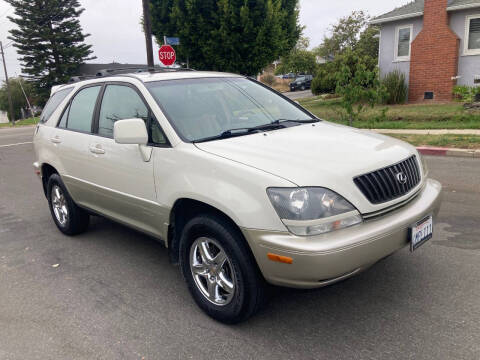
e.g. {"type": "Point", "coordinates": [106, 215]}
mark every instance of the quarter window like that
{"type": "Point", "coordinates": [53, 103]}
{"type": "Point", "coordinates": [472, 36]}
{"type": "Point", "coordinates": [403, 40]}
{"type": "Point", "coordinates": [81, 110]}
{"type": "Point", "coordinates": [119, 103]}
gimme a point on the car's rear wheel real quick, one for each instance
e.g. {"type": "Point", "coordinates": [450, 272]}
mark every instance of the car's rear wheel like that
{"type": "Point", "coordinates": [69, 218]}
{"type": "Point", "coordinates": [220, 271]}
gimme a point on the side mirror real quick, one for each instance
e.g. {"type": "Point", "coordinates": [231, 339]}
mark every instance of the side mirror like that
{"type": "Point", "coordinates": [130, 131]}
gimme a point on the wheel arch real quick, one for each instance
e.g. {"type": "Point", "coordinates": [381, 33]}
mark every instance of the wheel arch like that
{"type": "Point", "coordinates": [182, 211]}
{"type": "Point", "coordinates": [47, 170]}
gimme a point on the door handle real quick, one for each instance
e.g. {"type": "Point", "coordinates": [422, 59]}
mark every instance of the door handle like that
{"type": "Point", "coordinates": [97, 149]}
{"type": "Point", "coordinates": [55, 140]}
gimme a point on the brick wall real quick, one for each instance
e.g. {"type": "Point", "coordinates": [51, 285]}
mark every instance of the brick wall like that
{"type": "Point", "coordinates": [434, 55]}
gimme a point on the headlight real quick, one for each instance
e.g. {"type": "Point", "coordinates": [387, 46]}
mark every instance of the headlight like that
{"type": "Point", "coordinates": [313, 211]}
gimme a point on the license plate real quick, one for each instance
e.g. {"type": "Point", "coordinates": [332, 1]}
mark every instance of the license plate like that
{"type": "Point", "coordinates": [421, 232]}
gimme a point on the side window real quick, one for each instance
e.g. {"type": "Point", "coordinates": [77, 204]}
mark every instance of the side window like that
{"type": "Point", "coordinates": [119, 103]}
{"type": "Point", "coordinates": [157, 137]}
{"type": "Point", "coordinates": [403, 42]}
{"type": "Point", "coordinates": [82, 108]}
{"type": "Point", "coordinates": [63, 122]}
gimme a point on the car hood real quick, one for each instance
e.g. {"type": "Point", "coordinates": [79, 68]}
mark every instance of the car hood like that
{"type": "Point", "coordinates": [321, 154]}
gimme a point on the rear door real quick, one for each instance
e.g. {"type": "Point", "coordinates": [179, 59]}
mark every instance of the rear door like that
{"type": "Point", "coordinates": [123, 179]}
{"type": "Point", "coordinates": [71, 139]}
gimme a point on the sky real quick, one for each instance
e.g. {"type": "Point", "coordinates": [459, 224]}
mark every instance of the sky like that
{"type": "Point", "coordinates": [116, 33]}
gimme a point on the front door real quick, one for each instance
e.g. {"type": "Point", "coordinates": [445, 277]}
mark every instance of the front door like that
{"type": "Point", "coordinates": [123, 179]}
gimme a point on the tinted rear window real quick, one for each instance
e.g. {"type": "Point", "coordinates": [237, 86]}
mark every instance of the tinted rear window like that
{"type": "Point", "coordinates": [53, 103]}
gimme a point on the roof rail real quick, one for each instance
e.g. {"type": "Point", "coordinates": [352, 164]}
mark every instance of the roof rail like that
{"type": "Point", "coordinates": [78, 78]}
{"type": "Point", "coordinates": [126, 70]}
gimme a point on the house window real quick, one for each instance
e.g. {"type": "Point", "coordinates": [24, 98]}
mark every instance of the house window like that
{"type": "Point", "coordinates": [403, 41]}
{"type": "Point", "coordinates": [472, 35]}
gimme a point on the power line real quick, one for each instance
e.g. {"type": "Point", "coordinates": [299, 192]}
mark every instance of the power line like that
{"type": "Point", "coordinates": [8, 45]}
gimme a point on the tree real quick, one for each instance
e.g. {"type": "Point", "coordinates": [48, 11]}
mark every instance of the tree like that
{"type": "Point", "coordinates": [228, 35]}
{"type": "Point", "coordinates": [18, 98]}
{"type": "Point", "coordinates": [350, 32]}
{"type": "Point", "coordinates": [369, 42]}
{"type": "Point", "coordinates": [298, 61]}
{"type": "Point", "coordinates": [49, 40]}
{"type": "Point", "coordinates": [358, 84]}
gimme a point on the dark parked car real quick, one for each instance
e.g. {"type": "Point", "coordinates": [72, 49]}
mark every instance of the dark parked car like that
{"type": "Point", "coordinates": [301, 83]}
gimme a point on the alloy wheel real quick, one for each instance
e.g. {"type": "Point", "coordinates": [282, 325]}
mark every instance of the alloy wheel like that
{"type": "Point", "coordinates": [59, 205]}
{"type": "Point", "coordinates": [212, 271]}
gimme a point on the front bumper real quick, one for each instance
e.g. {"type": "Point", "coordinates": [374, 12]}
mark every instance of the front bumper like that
{"type": "Point", "coordinates": [328, 258]}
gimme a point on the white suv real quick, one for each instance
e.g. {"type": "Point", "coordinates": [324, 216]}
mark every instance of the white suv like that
{"type": "Point", "coordinates": [243, 186]}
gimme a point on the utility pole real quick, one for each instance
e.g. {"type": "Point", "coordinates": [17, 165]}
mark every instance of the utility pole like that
{"type": "Point", "coordinates": [147, 22]}
{"type": "Point", "coordinates": [10, 103]}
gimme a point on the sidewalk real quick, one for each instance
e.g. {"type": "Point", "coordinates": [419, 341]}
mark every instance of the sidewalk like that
{"type": "Point", "coordinates": [429, 132]}
{"type": "Point", "coordinates": [438, 151]}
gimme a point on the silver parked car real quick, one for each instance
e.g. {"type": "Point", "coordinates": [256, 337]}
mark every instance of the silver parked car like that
{"type": "Point", "coordinates": [244, 186]}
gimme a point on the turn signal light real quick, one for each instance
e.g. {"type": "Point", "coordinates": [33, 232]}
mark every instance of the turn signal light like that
{"type": "Point", "coordinates": [279, 258]}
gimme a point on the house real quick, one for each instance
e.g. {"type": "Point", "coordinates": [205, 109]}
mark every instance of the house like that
{"type": "Point", "coordinates": [435, 43]}
{"type": "Point", "coordinates": [3, 117]}
{"type": "Point", "coordinates": [324, 59]}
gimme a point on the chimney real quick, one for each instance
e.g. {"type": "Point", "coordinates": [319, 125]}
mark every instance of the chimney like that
{"type": "Point", "coordinates": [434, 56]}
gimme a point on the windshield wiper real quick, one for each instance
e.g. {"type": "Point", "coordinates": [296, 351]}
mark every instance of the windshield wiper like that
{"type": "Point", "coordinates": [305, 121]}
{"type": "Point", "coordinates": [274, 125]}
{"type": "Point", "coordinates": [241, 131]}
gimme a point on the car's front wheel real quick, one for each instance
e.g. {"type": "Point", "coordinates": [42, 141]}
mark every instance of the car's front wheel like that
{"type": "Point", "coordinates": [219, 269]}
{"type": "Point", "coordinates": [69, 218]}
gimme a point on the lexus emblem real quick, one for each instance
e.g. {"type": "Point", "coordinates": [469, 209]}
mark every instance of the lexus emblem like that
{"type": "Point", "coordinates": [401, 178]}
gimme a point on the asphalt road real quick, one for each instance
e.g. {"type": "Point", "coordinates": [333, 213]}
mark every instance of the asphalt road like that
{"type": "Point", "coordinates": [114, 294]}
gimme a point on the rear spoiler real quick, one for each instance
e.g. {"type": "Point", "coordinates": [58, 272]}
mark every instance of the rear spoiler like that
{"type": "Point", "coordinates": [55, 88]}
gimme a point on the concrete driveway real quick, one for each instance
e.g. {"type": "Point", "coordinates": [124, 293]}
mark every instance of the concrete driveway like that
{"type": "Point", "coordinates": [294, 95]}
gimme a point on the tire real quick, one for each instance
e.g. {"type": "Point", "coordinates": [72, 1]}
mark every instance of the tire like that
{"type": "Point", "coordinates": [302, 88]}
{"type": "Point", "coordinates": [69, 218]}
{"type": "Point", "coordinates": [241, 277]}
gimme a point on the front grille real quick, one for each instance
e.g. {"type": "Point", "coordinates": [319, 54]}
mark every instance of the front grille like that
{"type": "Point", "coordinates": [388, 184]}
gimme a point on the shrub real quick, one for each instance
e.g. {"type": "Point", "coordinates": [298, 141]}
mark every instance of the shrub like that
{"type": "Point", "coordinates": [325, 81]}
{"type": "Point", "coordinates": [465, 93]}
{"type": "Point", "coordinates": [358, 84]}
{"type": "Point", "coordinates": [395, 84]}
{"type": "Point", "coordinates": [269, 79]}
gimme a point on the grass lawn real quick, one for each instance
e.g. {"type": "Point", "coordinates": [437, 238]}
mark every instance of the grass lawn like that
{"type": "Point", "coordinates": [418, 116]}
{"type": "Point", "coordinates": [450, 140]}
{"type": "Point", "coordinates": [26, 122]}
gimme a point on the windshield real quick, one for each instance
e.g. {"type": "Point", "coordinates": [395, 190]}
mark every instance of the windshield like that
{"type": "Point", "coordinates": [205, 108]}
{"type": "Point", "coordinates": [300, 78]}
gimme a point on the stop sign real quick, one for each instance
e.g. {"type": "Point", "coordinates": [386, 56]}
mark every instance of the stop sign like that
{"type": "Point", "coordinates": [167, 55]}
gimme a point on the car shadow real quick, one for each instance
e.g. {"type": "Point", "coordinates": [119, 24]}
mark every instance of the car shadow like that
{"type": "Point", "coordinates": [365, 306]}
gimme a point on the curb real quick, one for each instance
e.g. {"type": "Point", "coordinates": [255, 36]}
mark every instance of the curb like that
{"type": "Point", "coordinates": [17, 127]}
{"type": "Point", "coordinates": [437, 151]}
